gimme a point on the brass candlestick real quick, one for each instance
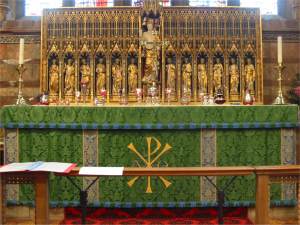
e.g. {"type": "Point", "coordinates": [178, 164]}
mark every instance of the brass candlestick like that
{"type": "Point", "coordinates": [279, 99]}
{"type": "Point", "coordinates": [20, 100]}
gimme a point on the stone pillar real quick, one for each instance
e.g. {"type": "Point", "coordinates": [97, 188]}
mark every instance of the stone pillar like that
{"type": "Point", "coordinates": [4, 9]}
{"type": "Point", "coordinates": [233, 3]}
{"type": "Point", "coordinates": [180, 2]}
{"type": "Point", "coordinates": [296, 10]}
{"type": "Point", "coordinates": [68, 3]}
{"type": "Point", "coordinates": [122, 2]}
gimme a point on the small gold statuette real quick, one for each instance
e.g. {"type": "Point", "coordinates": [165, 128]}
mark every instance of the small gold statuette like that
{"type": "Point", "coordinates": [85, 74]}
{"type": "Point", "coordinates": [218, 70]}
{"type": "Point", "coordinates": [101, 75]}
{"type": "Point", "coordinates": [186, 74]}
{"type": "Point", "coordinates": [54, 77]}
{"type": "Point", "coordinates": [234, 77]}
{"type": "Point", "coordinates": [69, 77]}
{"type": "Point", "coordinates": [171, 75]}
{"type": "Point", "coordinates": [132, 76]}
{"type": "Point", "coordinates": [117, 76]}
{"type": "Point", "coordinates": [202, 76]}
{"type": "Point", "coordinates": [250, 76]}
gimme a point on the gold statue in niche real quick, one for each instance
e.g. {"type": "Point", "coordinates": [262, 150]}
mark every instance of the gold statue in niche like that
{"type": "Point", "coordinates": [186, 74]}
{"type": "Point", "coordinates": [117, 76]}
{"type": "Point", "coordinates": [54, 76]}
{"type": "Point", "coordinates": [149, 39]}
{"type": "Point", "coordinates": [250, 75]}
{"type": "Point", "coordinates": [234, 77]}
{"type": "Point", "coordinates": [85, 74]}
{"type": "Point", "coordinates": [218, 70]}
{"type": "Point", "coordinates": [171, 74]}
{"type": "Point", "coordinates": [202, 75]}
{"type": "Point", "coordinates": [101, 74]}
{"type": "Point", "coordinates": [69, 77]}
{"type": "Point", "coordinates": [132, 76]}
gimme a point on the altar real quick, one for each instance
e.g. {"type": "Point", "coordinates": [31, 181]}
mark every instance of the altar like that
{"type": "Point", "coordinates": [144, 136]}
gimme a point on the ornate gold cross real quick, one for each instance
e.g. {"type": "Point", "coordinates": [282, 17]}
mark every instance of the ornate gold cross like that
{"type": "Point", "coordinates": [149, 161]}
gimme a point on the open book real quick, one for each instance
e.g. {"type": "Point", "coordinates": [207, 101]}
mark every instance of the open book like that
{"type": "Point", "coordinates": [56, 167]}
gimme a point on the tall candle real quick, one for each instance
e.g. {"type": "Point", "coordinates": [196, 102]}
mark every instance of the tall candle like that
{"type": "Point", "coordinates": [21, 51]}
{"type": "Point", "coordinates": [279, 49]}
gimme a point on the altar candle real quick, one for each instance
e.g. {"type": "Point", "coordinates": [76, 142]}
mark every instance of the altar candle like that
{"type": "Point", "coordinates": [279, 49]}
{"type": "Point", "coordinates": [21, 51]}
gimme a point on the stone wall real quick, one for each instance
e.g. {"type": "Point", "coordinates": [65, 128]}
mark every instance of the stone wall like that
{"type": "Point", "coordinates": [290, 31]}
{"type": "Point", "coordinates": [11, 30]}
{"type": "Point", "coordinates": [10, 36]}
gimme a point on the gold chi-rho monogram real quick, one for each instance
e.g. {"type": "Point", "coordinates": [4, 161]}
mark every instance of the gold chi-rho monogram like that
{"type": "Point", "coordinates": [152, 156]}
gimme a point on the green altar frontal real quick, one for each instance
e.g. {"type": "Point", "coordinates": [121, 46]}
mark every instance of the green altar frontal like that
{"type": "Point", "coordinates": [155, 137]}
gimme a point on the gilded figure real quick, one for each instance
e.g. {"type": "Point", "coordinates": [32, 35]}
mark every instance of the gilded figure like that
{"type": "Point", "coordinates": [69, 77]}
{"type": "Point", "coordinates": [149, 39]}
{"type": "Point", "coordinates": [85, 71]}
{"type": "Point", "coordinates": [101, 74]}
{"type": "Point", "coordinates": [218, 70]}
{"type": "Point", "coordinates": [250, 75]}
{"type": "Point", "coordinates": [117, 76]}
{"type": "Point", "coordinates": [234, 77]}
{"type": "Point", "coordinates": [171, 74]}
{"type": "Point", "coordinates": [132, 76]}
{"type": "Point", "coordinates": [186, 74]}
{"type": "Point", "coordinates": [54, 77]}
{"type": "Point", "coordinates": [202, 75]}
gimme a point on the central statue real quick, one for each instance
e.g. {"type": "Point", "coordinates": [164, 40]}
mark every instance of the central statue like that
{"type": "Point", "coordinates": [149, 43]}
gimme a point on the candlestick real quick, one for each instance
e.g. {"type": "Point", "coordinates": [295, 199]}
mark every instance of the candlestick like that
{"type": "Point", "coordinates": [21, 52]}
{"type": "Point", "coordinates": [279, 99]}
{"type": "Point", "coordinates": [20, 100]}
{"type": "Point", "coordinates": [279, 49]}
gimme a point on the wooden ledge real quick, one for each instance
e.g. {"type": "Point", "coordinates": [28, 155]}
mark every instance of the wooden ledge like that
{"type": "Point", "coordinates": [282, 170]}
{"type": "Point", "coordinates": [179, 171]}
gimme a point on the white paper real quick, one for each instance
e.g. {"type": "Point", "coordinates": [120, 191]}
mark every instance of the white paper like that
{"type": "Point", "coordinates": [104, 171]}
{"type": "Point", "coordinates": [17, 167]}
{"type": "Point", "coordinates": [56, 167]}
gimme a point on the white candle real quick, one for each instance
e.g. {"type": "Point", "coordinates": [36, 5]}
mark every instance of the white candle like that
{"type": "Point", "coordinates": [21, 51]}
{"type": "Point", "coordinates": [279, 49]}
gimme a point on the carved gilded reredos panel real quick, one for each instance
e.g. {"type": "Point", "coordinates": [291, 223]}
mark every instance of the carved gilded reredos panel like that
{"type": "Point", "coordinates": [193, 35]}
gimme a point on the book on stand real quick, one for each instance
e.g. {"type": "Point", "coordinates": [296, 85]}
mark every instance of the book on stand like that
{"type": "Point", "coordinates": [56, 167]}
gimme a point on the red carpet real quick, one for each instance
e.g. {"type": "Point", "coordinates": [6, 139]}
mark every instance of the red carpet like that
{"type": "Point", "coordinates": [157, 216]}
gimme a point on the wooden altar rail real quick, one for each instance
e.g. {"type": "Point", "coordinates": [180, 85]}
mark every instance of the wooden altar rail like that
{"type": "Point", "coordinates": [263, 176]}
{"type": "Point", "coordinates": [182, 171]}
{"type": "Point", "coordinates": [40, 180]}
